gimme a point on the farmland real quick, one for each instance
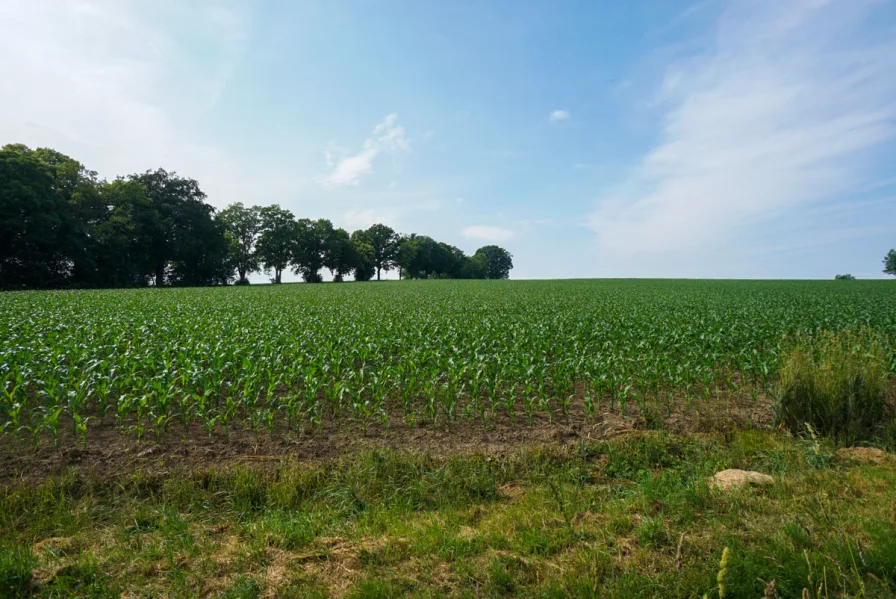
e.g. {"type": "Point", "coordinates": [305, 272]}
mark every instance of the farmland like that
{"type": "Point", "coordinates": [495, 438]}
{"type": "Point", "coordinates": [439, 351]}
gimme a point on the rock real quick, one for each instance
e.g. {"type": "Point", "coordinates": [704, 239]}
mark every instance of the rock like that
{"type": "Point", "coordinates": [734, 478]}
{"type": "Point", "coordinates": [866, 455]}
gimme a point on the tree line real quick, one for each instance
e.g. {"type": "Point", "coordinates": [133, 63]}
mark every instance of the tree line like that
{"type": "Point", "coordinates": [63, 226]}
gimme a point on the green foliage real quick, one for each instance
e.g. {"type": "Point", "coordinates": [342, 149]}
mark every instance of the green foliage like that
{"type": "Point", "coordinates": [422, 257]}
{"type": "Point", "coordinates": [61, 226]}
{"type": "Point", "coordinates": [340, 254]}
{"type": "Point", "coordinates": [37, 228]}
{"type": "Point", "coordinates": [443, 351]}
{"type": "Point", "coordinates": [890, 263]}
{"type": "Point", "coordinates": [384, 242]}
{"type": "Point", "coordinates": [276, 244]}
{"type": "Point", "coordinates": [364, 267]}
{"type": "Point", "coordinates": [311, 249]}
{"type": "Point", "coordinates": [837, 383]}
{"type": "Point", "coordinates": [846, 277]}
{"type": "Point", "coordinates": [495, 262]}
{"type": "Point", "coordinates": [242, 225]}
{"type": "Point", "coordinates": [185, 245]}
{"type": "Point", "coordinates": [16, 564]}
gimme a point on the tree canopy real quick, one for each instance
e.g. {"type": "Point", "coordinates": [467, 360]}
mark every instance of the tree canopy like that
{"type": "Point", "coordinates": [494, 261]}
{"type": "Point", "coordinates": [890, 263]}
{"type": "Point", "coordinates": [242, 226]}
{"type": "Point", "coordinates": [275, 243]}
{"type": "Point", "coordinates": [37, 228]}
{"type": "Point", "coordinates": [62, 226]}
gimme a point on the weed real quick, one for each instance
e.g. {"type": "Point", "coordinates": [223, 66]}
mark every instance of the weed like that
{"type": "Point", "coordinates": [835, 382]}
{"type": "Point", "coordinates": [16, 564]}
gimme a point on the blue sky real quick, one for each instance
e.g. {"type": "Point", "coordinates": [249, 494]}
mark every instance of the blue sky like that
{"type": "Point", "coordinates": [713, 138]}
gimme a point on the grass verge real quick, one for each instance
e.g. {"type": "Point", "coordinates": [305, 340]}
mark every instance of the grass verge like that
{"type": "Point", "coordinates": [626, 517]}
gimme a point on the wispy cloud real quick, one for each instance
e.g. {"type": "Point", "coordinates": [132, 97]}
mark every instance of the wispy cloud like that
{"type": "Point", "coordinates": [109, 84]}
{"type": "Point", "coordinates": [488, 233]}
{"type": "Point", "coordinates": [778, 113]}
{"type": "Point", "coordinates": [558, 115]}
{"type": "Point", "coordinates": [816, 238]}
{"type": "Point", "coordinates": [387, 138]}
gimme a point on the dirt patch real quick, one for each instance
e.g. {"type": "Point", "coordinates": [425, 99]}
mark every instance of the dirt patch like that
{"type": "Point", "coordinates": [58, 546]}
{"type": "Point", "coordinates": [279, 572]}
{"type": "Point", "coordinates": [870, 455]}
{"type": "Point", "coordinates": [111, 451]}
{"type": "Point", "coordinates": [337, 561]}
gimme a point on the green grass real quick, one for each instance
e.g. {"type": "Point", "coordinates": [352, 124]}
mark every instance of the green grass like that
{"type": "Point", "coordinates": [599, 519]}
{"type": "Point", "coordinates": [837, 384]}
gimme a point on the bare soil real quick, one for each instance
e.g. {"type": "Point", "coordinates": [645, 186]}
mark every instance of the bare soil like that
{"type": "Point", "coordinates": [111, 451]}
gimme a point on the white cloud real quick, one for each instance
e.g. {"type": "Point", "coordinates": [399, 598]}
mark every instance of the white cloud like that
{"type": "Point", "coordinates": [558, 115]}
{"type": "Point", "coordinates": [780, 112]}
{"type": "Point", "coordinates": [488, 233]}
{"type": "Point", "coordinates": [387, 138]}
{"type": "Point", "coordinates": [102, 81]}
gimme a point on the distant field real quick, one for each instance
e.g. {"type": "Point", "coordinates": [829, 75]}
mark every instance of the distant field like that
{"type": "Point", "coordinates": [299, 355]}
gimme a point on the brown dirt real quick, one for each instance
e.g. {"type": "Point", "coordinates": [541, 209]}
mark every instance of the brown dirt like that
{"type": "Point", "coordinates": [110, 451]}
{"type": "Point", "coordinates": [871, 455]}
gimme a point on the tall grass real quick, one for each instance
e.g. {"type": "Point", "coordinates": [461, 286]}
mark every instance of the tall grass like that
{"type": "Point", "coordinates": [838, 383]}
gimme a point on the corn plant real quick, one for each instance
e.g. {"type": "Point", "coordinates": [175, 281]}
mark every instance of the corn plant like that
{"type": "Point", "coordinates": [254, 357]}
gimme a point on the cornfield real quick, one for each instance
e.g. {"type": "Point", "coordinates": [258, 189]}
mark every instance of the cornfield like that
{"type": "Point", "coordinates": [439, 351]}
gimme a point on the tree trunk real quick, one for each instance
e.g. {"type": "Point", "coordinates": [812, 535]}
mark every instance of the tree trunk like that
{"type": "Point", "coordinates": [377, 273]}
{"type": "Point", "coordinates": [277, 273]}
{"type": "Point", "coordinates": [160, 276]}
{"type": "Point", "coordinates": [242, 274]}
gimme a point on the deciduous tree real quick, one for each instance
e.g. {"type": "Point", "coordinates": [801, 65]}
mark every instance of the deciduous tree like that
{"type": "Point", "coordinates": [496, 262]}
{"type": "Point", "coordinates": [890, 263]}
{"type": "Point", "coordinates": [340, 256]}
{"type": "Point", "coordinates": [276, 242]}
{"type": "Point", "coordinates": [384, 241]}
{"type": "Point", "coordinates": [310, 248]}
{"type": "Point", "coordinates": [365, 267]}
{"type": "Point", "coordinates": [182, 231]}
{"type": "Point", "coordinates": [36, 232]}
{"type": "Point", "coordinates": [243, 226]}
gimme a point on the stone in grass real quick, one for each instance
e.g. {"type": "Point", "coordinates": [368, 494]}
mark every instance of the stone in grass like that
{"type": "Point", "coordinates": [734, 478]}
{"type": "Point", "coordinates": [866, 455]}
